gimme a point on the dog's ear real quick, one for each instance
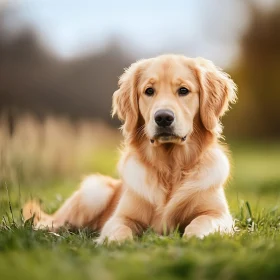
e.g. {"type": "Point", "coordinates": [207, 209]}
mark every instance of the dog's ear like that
{"type": "Point", "coordinates": [217, 91]}
{"type": "Point", "coordinates": [125, 99]}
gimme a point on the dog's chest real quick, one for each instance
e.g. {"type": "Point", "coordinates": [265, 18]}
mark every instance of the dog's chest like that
{"type": "Point", "coordinates": [138, 178]}
{"type": "Point", "coordinates": [170, 198]}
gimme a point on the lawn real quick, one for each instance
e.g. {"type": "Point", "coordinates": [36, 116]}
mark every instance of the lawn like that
{"type": "Point", "coordinates": [252, 253]}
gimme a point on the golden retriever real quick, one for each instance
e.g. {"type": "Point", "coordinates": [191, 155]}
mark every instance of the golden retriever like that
{"type": "Point", "coordinates": [172, 168]}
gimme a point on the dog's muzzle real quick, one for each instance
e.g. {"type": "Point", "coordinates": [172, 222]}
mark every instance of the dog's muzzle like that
{"type": "Point", "coordinates": [164, 132]}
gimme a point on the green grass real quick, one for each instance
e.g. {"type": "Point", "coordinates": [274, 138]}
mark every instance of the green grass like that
{"type": "Point", "coordinates": [252, 253]}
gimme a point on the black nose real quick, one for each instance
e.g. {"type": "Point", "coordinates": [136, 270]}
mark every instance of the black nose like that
{"type": "Point", "coordinates": [164, 118]}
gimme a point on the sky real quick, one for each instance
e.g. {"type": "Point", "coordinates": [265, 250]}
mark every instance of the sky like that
{"type": "Point", "coordinates": [144, 28]}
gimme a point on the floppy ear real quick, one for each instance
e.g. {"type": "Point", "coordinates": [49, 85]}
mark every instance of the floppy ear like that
{"type": "Point", "coordinates": [125, 99]}
{"type": "Point", "coordinates": [217, 91]}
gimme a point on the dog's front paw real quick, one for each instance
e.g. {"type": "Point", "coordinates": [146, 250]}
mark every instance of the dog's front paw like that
{"type": "Point", "coordinates": [204, 225]}
{"type": "Point", "coordinates": [200, 227]}
{"type": "Point", "coordinates": [193, 231]}
{"type": "Point", "coordinates": [120, 235]}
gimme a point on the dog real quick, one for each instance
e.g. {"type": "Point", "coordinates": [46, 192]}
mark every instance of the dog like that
{"type": "Point", "coordinates": [173, 167]}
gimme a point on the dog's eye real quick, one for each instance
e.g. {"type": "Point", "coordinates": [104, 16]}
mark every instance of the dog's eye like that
{"type": "Point", "coordinates": [149, 91]}
{"type": "Point", "coordinates": [183, 91]}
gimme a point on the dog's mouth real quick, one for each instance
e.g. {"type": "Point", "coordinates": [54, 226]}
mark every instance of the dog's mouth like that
{"type": "Point", "coordinates": [166, 137]}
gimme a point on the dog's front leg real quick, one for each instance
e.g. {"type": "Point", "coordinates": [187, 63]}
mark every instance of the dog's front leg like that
{"type": "Point", "coordinates": [131, 217]}
{"type": "Point", "coordinates": [206, 224]}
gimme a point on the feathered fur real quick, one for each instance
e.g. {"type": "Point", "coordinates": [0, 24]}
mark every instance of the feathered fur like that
{"type": "Point", "coordinates": [163, 184]}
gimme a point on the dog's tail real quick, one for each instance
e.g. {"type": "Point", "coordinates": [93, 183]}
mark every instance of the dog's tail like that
{"type": "Point", "coordinates": [32, 210]}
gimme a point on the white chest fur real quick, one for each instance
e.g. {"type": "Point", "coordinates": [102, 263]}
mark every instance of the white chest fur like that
{"type": "Point", "coordinates": [136, 177]}
{"type": "Point", "coordinates": [212, 171]}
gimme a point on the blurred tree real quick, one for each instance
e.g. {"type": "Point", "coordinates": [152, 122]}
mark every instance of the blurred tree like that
{"type": "Point", "coordinates": [258, 76]}
{"type": "Point", "coordinates": [32, 79]}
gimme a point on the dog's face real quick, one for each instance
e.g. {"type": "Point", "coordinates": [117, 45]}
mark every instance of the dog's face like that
{"type": "Point", "coordinates": [163, 95]}
{"type": "Point", "coordinates": [168, 98]}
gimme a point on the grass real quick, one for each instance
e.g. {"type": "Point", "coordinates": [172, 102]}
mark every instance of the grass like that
{"type": "Point", "coordinates": [252, 253]}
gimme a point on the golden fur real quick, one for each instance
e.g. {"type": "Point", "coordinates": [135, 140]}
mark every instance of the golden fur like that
{"type": "Point", "coordinates": [165, 181]}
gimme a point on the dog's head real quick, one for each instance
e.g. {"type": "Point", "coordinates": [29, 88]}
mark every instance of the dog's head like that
{"type": "Point", "coordinates": [162, 96]}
